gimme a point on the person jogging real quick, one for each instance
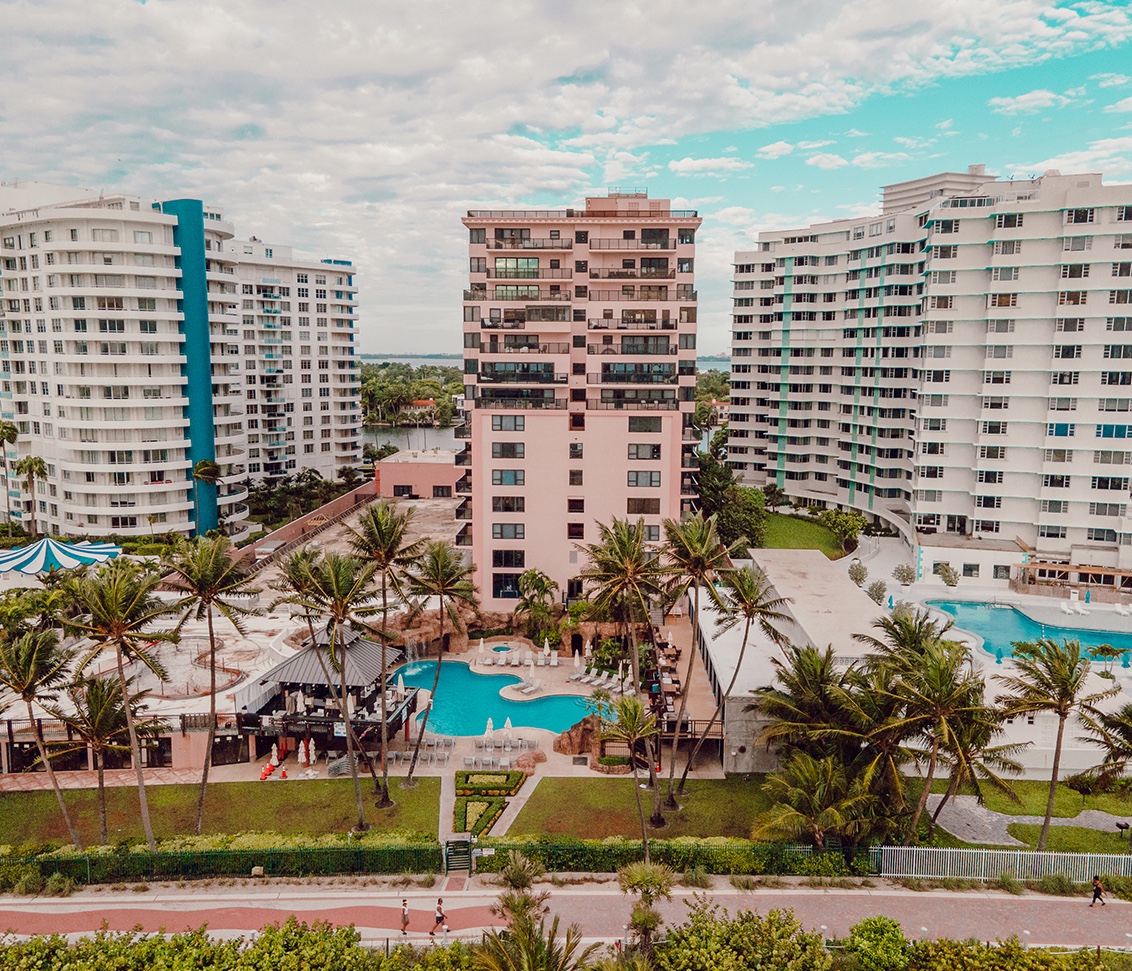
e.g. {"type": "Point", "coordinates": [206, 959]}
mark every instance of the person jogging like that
{"type": "Point", "coordinates": [1098, 890]}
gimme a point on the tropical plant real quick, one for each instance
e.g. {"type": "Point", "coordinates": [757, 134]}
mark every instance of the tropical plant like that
{"type": "Point", "coordinates": [693, 556]}
{"type": "Point", "coordinates": [9, 435]}
{"type": "Point", "coordinates": [98, 720]}
{"type": "Point", "coordinates": [629, 722]}
{"type": "Point", "coordinates": [210, 578]}
{"type": "Point", "coordinates": [339, 590]}
{"type": "Point", "coordinates": [858, 572]}
{"type": "Point", "coordinates": [648, 882]}
{"type": "Point", "coordinates": [746, 598]}
{"type": "Point", "coordinates": [118, 612]}
{"type": "Point", "coordinates": [876, 591]}
{"type": "Point", "coordinates": [32, 468]}
{"type": "Point", "coordinates": [948, 574]}
{"type": "Point", "coordinates": [529, 944]}
{"type": "Point", "coordinates": [440, 572]}
{"type": "Point", "coordinates": [812, 798]}
{"type": "Point", "coordinates": [382, 538]}
{"type": "Point", "coordinates": [904, 574]}
{"type": "Point", "coordinates": [205, 472]}
{"type": "Point", "coordinates": [880, 944]}
{"type": "Point", "coordinates": [846, 524]}
{"type": "Point", "coordinates": [1050, 677]}
{"type": "Point", "coordinates": [33, 667]}
{"type": "Point", "coordinates": [535, 607]}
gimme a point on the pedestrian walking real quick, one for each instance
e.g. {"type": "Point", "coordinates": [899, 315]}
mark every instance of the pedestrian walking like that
{"type": "Point", "coordinates": [404, 917]}
{"type": "Point", "coordinates": [439, 925]}
{"type": "Point", "coordinates": [1098, 890]}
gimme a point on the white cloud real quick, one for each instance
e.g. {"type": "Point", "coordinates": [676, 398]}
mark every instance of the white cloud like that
{"type": "Point", "coordinates": [946, 124]}
{"type": "Point", "coordinates": [856, 133]}
{"type": "Point", "coordinates": [876, 160]}
{"type": "Point", "coordinates": [1028, 103]}
{"type": "Point", "coordinates": [775, 150]}
{"type": "Point", "coordinates": [708, 166]}
{"type": "Point", "coordinates": [1125, 105]}
{"type": "Point", "coordinates": [826, 161]}
{"type": "Point", "coordinates": [809, 146]}
{"type": "Point", "coordinates": [914, 142]}
{"type": "Point", "coordinates": [1112, 156]}
{"type": "Point", "coordinates": [1110, 80]}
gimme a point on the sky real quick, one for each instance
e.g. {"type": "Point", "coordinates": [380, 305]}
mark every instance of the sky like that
{"type": "Point", "coordinates": [364, 129]}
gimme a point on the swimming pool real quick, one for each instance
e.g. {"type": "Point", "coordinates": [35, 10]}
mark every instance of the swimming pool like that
{"type": "Point", "coordinates": [1000, 626]}
{"type": "Point", "coordinates": [466, 700]}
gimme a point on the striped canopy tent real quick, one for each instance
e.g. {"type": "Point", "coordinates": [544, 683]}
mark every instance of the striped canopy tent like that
{"type": "Point", "coordinates": [47, 554]}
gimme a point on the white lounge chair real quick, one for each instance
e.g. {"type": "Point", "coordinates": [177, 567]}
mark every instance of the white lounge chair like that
{"type": "Point", "coordinates": [1065, 608]}
{"type": "Point", "coordinates": [1080, 610]}
{"type": "Point", "coordinates": [469, 762]}
{"type": "Point", "coordinates": [577, 676]}
{"type": "Point", "coordinates": [515, 661]}
{"type": "Point", "coordinates": [505, 764]}
{"type": "Point", "coordinates": [534, 686]}
{"type": "Point", "coordinates": [1123, 611]}
{"type": "Point", "coordinates": [554, 660]}
{"type": "Point", "coordinates": [488, 662]}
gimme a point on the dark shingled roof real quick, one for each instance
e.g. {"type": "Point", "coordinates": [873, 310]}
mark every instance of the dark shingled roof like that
{"type": "Point", "coordinates": [363, 665]}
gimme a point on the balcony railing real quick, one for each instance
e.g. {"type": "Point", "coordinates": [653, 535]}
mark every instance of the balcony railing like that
{"type": "Point", "coordinates": [555, 404]}
{"type": "Point", "coordinates": [608, 323]}
{"type": "Point", "coordinates": [631, 378]}
{"type": "Point", "coordinates": [668, 404]}
{"type": "Point", "coordinates": [643, 273]}
{"type": "Point", "coordinates": [629, 244]}
{"type": "Point", "coordinates": [503, 324]}
{"type": "Point", "coordinates": [464, 537]}
{"type": "Point", "coordinates": [464, 458]}
{"type": "Point", "coordinates": [522, 377]}
{"type": "Point", "coordinates": [462, 431]}
{"type": "Point", "coordinates": [464, 510]}
{"type": "Point", "coordinates": [604, 349]}
{"type": "Point", "coordinates": [535, 273]}
{"type": "Point", "coordinates": [519, 244]}
{"type": "Point", "coordinates": [554, 347]}
{"type": "Point", "coordinates": [464, 484]}
{"type": "Point", "coordinates": [495, 294]}
{"type": "Point", "coordinates": [645, 294]}
{"type": "Point", "coordinates": [520, 214]}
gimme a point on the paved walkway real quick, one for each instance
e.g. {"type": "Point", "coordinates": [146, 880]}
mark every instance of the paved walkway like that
{"type": "Point", "coordinates": [965, 818]}
{"type": "Point", "coordinates": [600, 909]}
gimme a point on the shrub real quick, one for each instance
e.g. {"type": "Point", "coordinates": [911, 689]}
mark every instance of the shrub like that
{"type": "Point", "coordinates": [905, 574]}
{"type": "Point", "coordinates": [1008, 883]}
{"type": "Point", "coordinates": [696, 877]}
{"type": "Point", "coordinates": [858, 572]}
{"type": "Point", "coordinates": [880, 944]}
{"type": "Point", "coordinates": [519, 872]}
{"type": "Point", "coordinates": [30, 884]}
{"type": "Point", "coordinates": [948, 574]}
{"type": "Point", "coordinates": [876, 591]}
{"type": "Point", "coordinates": [613, 760]}
{"type": "Point", "coordinates": [476, 814]}
{"type": "Point", "coordinates": [478, 782]}
{"type": "Point", "coordinates": [1057, 885]}
{"type": "Point", "coordinates": [58, 885]}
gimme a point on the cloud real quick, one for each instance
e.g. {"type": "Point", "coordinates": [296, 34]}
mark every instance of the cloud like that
{"type": "Point", "coordinates": [876, 160]}
{"type": "Point", "coordinates": [1110, 80]}
{"type": "Point", "coordinates": [775, 150]}
{"type": "Point", "coordinates": [1125, 105]}
{"type": "Point", "coordinates": [1112, 156]}
{"type": "Point", "coordinates": [945, 125]}
{"type": "Point", "coordinates": [1029, 103]}
{"type": "Point", "coordinates": [856, 133]}
{"type": "Point", "coordinates": [809, 146]}
{"type": "Point", "coordinates": [826, 161]}
{"type": "Point", "coordinates": [913, 142]}
{"type": "Point", "coordinates": [708, 166]}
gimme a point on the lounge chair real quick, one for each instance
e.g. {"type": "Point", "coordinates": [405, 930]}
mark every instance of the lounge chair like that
{"type": "Point", "coordinates": [469, 762]}
{"type": "Point", "coordinates": [479, 744]}
{"type": "Point", "coordinates": [534, 686]}
{"type": "Point", "coordinates": [487, 662]}
{"type": "Point", "coordinates": [1122, 610]}
{"type": "Point", "coordinates": [488, 745]}
{"type": "Point", "coordinates": [490, 763]}
{"type": "Point", "coordinates": [554, 660]}
{"type": "Point", "coordinates": [590, 676]}
{"type": "Point", "coordinates": [1065, 608]}
{"type": "Point", "coordinates": [1081, 610]}
{"type": "Point", "coordinates": [505, 764]}
{"type": "Point", "coordinates": [515, 661]}
{"type": "Point", "coordinates": [542, 662]}
{"type": "Point", "coordinates": [577, 676]}
{"type": "Point", "coordinates": [441, 758]}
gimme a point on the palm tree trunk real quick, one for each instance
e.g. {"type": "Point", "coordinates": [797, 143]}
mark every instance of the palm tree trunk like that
{"type": "Point", "coordinates": [101, 766]}
{"type": "Point", "coordinates": [211, 720]}
{"type": "Point", "coordinates": [1052, 782]}
{"type": "Point", "coordinates": [31, 489]}
{"type": "Point", "coordinates": [640, 806]}
{"type": "Point", "coordinates": [923, 801]}
{"type": "Point", "coordinates": [384, 801]}
{"type": "Point", "coordinates": [718, 708]}
{"type": "Point", "coordinates": [670, 801]}
{"type": "Point", "coordinates": [42, 748]}
{"type": "Point", "coordinates": [431, 699]}
{"type": "Point", "coordinates": [952, 788]}
{"type": "Point", "coordinates": [344, 707]}
{"type": "Point", "coordinates": [135, 751]}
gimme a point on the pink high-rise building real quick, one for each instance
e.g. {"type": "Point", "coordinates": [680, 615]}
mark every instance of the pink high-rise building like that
{"type": "Point", "coordinates": [580, 368]}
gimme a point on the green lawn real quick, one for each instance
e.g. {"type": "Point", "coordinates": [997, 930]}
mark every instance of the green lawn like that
{"type": "Point", "coordinates": [596, 808]}
{"type": "Point", "coordinates": [785, 532]}
{"type": "Point", "coordinates": [307, 806]}
{"type": "Point", "coordinates": [1072, 839]}
{"type": "Point", "coordinates": [1034, 792]}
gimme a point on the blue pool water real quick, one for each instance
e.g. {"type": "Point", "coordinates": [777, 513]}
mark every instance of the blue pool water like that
{"type": "Point", "coordinates": [466, 700]}
{"type": "Point", "coordinates": [1001, 626]}
{"type": "Point", "coordinates": [502, 648]}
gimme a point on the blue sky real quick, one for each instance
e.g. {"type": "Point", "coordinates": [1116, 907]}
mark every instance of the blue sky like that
{"type": "Point", "coordinates": [364, 129]}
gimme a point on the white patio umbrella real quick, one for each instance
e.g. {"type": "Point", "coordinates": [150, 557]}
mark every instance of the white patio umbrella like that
{"type": "Point", "coordinates": [531, 669]}
{"type": "Point", "coordinates": [546, 647]}
{"type": "Point", "coordinates": [507, 728]}
{"type": "Point", "coordinates": [589, 648]}
{"type": "Point", "coordinates": [490, 730]}
{"type": "Point", "coordinates": [274, 754]}
{"type": "Point", "coordinates": [313, 753]}
{"type": "Point", "coordinates": [400, 686]}
{"type": "Point", "coordinates": [577, 660]}
{"type": "Point", "coordinates": [670, 638]}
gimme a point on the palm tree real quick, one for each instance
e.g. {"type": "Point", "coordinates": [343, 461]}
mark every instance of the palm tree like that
{"type": "Point", "coordinates": [381, 538]}
{"type": "Point", "coordinates": [1113, 732]}
{"type": "Point", "coordinates": [32, 468]}
{"type": "Point", "coordinates": [9, 435]}
{"type": "Point", "coordinates": [746, 598]}
{"type": "Point", "coordinates": [528, 944]}
{"type": "Point", "coordinates": [440, 572]}
{"type": "Point", "coordinates": [694, 554]}
{"type": "Point", "coordinates": [118, 611]}
{"type": "Point", "coordinates": [1051, 677]}
{"type": "Point", "coordinates": [904, 636]}
{"type": "Point", "coordinates": [97, 718]}
{"type": "Point", "coordinates": [32, 667]}
{"type": "Point", "coordinates": [340, 589]}
{"type": "Point", "coordinates": [812, 798]}
{"type": "Point", "coordinates": [205, 472]}
{"type": "Point", "coordinates": [628, 721]}
{"type": "Point", "coordinates": [205, 571]}
{"type": "Point", "coordinates": [536, 602]}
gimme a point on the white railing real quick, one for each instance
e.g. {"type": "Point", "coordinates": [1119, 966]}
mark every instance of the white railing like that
{"type": "Point", "coordinates": [931, 863]}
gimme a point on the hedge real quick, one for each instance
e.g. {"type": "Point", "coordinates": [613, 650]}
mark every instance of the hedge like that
{"type": "Point", "coordinates": [714, 855]}
{"type": "Point", "coordinates": [507, 785]}
{"type": "Point", "coordinates": [494, 809]}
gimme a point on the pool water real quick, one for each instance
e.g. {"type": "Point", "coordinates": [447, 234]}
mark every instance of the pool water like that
{"type": "Point", "coordinates": [465, 701]}
{"type": "Point", "coordinates": [502, 649]}
{"type": "Point", "coordinates": [1000, 626]}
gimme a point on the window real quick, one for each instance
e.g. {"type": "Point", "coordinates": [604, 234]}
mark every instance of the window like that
{"type": "Point", "coordinates": [642, 507]}
{"type": "Point", "coordinates": [508, 531]}
{"type": "Point", "coordinates": [971, 569]}
{"type": "Point", "coordinates": [1113, 431]}
{"type": "Point", "coordinates": [946, 252]}
{"type": "Point", "coordinates": [990, 478]}
{"type": "Point", "coordinates": [508, 423]}
{"type": "Point", "coordinates": [1004, 273]}
{"type": "Point", "coordinates": [1097, 534]}
{"type": "Point", "coordinates": [996, 377]}
{"type": "Point", "coordinates": [1001, 571]}
{"type": "Point", "coordinates": [1078, 216]}
{"type": "Point", "coordinates": [644, 451]}
{"type": "Point", "coordinates": [575, 450]}
{"type": "Point", "coordinates": [441, 492]}
{"type": "Point", "coordinates": [1008, 247]}
{"type": "Point", "coordinates": [508, 504]}
{"type": "Point", "coordinates": [1111, 483]}
{"type": "Point", "coordinates": [639, 479]}
{"type": "Point", "coordinates": [1052, 532]}
{"type": "Point", "coordinates": [1061, 429]}
{"type": "Point", "coordinates": [643, 423]}
{"type": "Point", "coordinates": [575, 530]}
{"type": "Point", "coordinates": [1003, 300]}
{"type": "Point", "coordinates": [994, 428]}
{"type": "Point", "coordinates": [1077, 244]}
{"type": "Point", "coordinates": [515, 559]}
{"type": "Point", "coordinates": [508, 477]}
{"type": "Point", "coordinates": [508, 450]}
{"type": "Point", "coordinates": [1067, 352]}
{"type": "Point", "coordinates": [1055, 481]}
{"type": "Point", "coordinates": [504, 586]}
{"type": "Point", "coordinates": [995, 452]}
{"type": "Point", "coordinates": [1007, 220]}
{"type": "Point", "coordinates": [575, 477]}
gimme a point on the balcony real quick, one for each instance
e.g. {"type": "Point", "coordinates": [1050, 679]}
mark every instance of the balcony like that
{"type": "Point", "coordinates": [464, 537]}
{"type": "Point", "coordinates": [522, 214]}
{"type": "Point", "coordinates": [603, 349]}
{"type": "Point", "coordinates": [644, 295]}
{"type": "Point", "coordinates": [608, 323]}
{"type": "Point", "coordinates": [503, 324]}
{"type": "Point", "coordinates": [464, 458]}
{"type": "Point", "coordinates": [462, 431]}
{"type": "Point", "coordinates": [522, 377]}
{"type": "Point", "coordinates": [554, 404]}
{"type": "Point", "coordinates": [667, 404]}
{"type": "Point", "coordinates": [539, 297]}
{"type": "Point", "coordinates": [537, 273]}
{"type": "Point", "coordinates": [522, 244]}
{"type": "Point", "coordinates": [464, 511]}
{"type": "Point", "coordinates": [631, 377]}
{"type": "Point", "coordinates": [464, 484]}
{"type": "Point", "coordinates": [642, 273]}
{"type": "Point", "coordinates": [632, 244]}
{"type": "Point", "coordinates": [555, 347]}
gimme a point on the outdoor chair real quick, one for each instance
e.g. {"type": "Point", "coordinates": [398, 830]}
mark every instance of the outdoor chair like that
{"type": "Point", "coordinates": [430, 742]}
{"type": "Point", "coordinates": [577, 676]}
{"type": "Point", "coordinates": [522, 743]}
{"type": "Point", "coordinates": [469, 762]}
{"type": "Point", "coordinates": [479, 744]}
{"type": "Point", "coordinates": [554, 660]}
{"type": "Point", "coordinates": [507, 745]}
{"type": "Point", "coordinates": [491, 763]}
{"type": "Point", "coordinates": [505, 764]}
{"type": "Point", "coordinates": [515, 661]}
{"type": "Point", "coordinates": [394, 757]}
{"type": "Point", "coordinates": [477, 763]}
{"type": "Point", "coordinates": [449, 742]}
{"type": "Point", "coordinates": [487, 662]}
{"type": "Point", "coordinates": [536, 685]}
{"type": "Point", "coordinates": [489, 745]}
{"type": "Point", "coordinates": [441, 758]}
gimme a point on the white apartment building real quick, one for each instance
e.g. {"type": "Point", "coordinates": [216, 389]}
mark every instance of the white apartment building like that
{"type": "Point", "coordinates": [139, 337]}
{"type": "Point", "coordinates": [958, 366]}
